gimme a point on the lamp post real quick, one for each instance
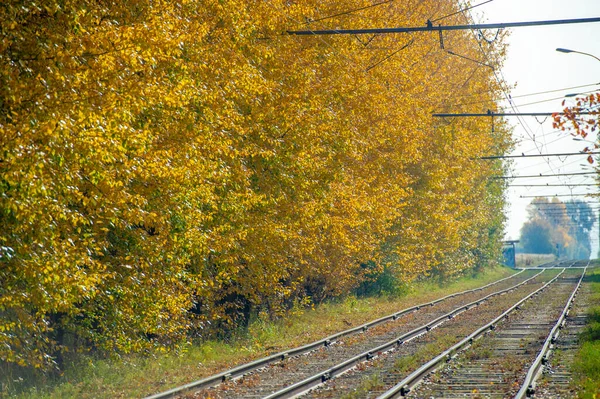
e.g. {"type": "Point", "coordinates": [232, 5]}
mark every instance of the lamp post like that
{"type": "Point", "coordinates": [566, 50]}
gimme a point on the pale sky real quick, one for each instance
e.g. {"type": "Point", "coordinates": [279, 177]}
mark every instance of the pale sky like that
{"type": "Point", "coordinates": [535, 66]}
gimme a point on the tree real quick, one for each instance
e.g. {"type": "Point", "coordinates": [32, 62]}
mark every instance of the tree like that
{"type": "Point", "coordinates": [577, 123]}
{"type": "Point", "coordinates": [169, 167]}
{"type": "Point", "coordinates": [536, 237]}
{"type": "Point", "coordinates": [582, 125]}
{"type": "Point", "coordinates": [568, 226]}
{"type": "Point", "coordinates": [582, 220]}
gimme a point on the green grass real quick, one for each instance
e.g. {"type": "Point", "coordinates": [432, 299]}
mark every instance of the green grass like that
{"type": "Point", "coordinates": [586, 367]}
{"type": "Point", "coordinates": [409, 363]}
{"type": "Point", "coordinates": [89, 376]}
{"type": "Point", "coordinates": [368, 384]}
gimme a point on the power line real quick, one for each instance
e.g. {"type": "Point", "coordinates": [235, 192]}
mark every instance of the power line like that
{"type": "Point", "coordinates": [566, 154]}
{"type": "Point", "coordinates": [555, 90]}
{"type": "Point", "coordinates": [561, 204]}
{"type": "Point", "coordinates": [520, 95]}
{"type": "Point", "coordinates": [525, 95]}
{"type": "Point", "coordinates": [554, 99]}
{"type": "Point", "coordinates": [555, 195]}
{"type": "Point", "coordinates": [430, 28]}
{"type": "Point", "coordinates": [490, 113]}
{"type": "Point", "coordinates": [501, 79]}
{"type": "Point", "coordinates": [541, 175]}
{"type": "Point", "coordinates": [554, 185]}
{"type": "Point", "coordinates": [587, 212]}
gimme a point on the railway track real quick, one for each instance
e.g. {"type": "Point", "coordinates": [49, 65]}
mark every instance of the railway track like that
{"type": "Point", "coordinates": [556, 381]}
{"type": "Point", "coordinates": [559, 264]}
{"type": "Point", "coordinates": [504, 362]}
{"type": "Point", "coordinates": [369, 360]}
{"type": "Point", "coordinates": [266, 376]}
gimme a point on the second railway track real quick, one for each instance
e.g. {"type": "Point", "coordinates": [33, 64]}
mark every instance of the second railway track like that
{"type": "Point", "coordinates": [250, 368]}
{"type": "Point", "coordinates": [496, 366]}
{"type": "Point", "coordinates": [369, 363]}
{"type": "Point", "coordinates": [300, 373]}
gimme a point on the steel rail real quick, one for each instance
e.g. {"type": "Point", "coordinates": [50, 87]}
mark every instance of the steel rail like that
{"type": "Point", "coordinates": [528, 386]}
{"type": "Point", "coordinates": [555, 264]}
{"type": "Point", "coordinates": [407, 384]}
{"type": "Point", "coordinates": [238, 371]}
{"type": "Point", "coordinates": [321, 377]}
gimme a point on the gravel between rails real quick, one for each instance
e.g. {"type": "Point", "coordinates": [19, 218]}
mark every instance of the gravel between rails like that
{"type": "Point", "coordinates": [274, 377]}
{"type": "Point", "coordinates": [496, 366]}
{"type": "Point", "coordinates": [556, 381]}
{"type": "Point", "coordinates": [394, 366]}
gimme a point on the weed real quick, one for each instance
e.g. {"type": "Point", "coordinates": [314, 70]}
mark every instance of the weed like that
{"type": "Point", "coordinates": [426, 353]}
{"type": "Point", "coordinates": [368, 384]}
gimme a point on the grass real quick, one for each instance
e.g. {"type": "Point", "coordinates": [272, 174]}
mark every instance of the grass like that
{"type": "Point", "coordinates": [136, 376]}
{"type": "Point", "coordinates": [368, 384]}
{"type": "Point", "coordinates": [409, 363]}
{"type": "Point", "coordinates": [586, 368]}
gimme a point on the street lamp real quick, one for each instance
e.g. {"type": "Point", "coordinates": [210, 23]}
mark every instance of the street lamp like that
{"type": "Point", "coordinates": [566, 50]}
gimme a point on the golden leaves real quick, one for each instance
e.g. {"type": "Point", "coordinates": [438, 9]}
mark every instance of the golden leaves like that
{"type": "Point", "coordinates": [169, 165]}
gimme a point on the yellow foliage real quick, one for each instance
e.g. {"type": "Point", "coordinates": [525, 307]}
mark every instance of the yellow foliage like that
{"type": "Point", "coordinates": [166, 166]}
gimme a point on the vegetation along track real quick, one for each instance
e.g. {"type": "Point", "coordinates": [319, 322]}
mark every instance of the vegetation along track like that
{"type": "Point", "coordinates": [496, 366]}
{"type": "Point", "coordinates": [323, 363]}
{"type": "Point", "coordinates": [396, 365]}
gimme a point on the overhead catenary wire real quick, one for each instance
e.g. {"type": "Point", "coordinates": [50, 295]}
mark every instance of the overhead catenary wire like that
{"type": "Point", "coordinates": [526, 94]}
{"type": "Point", "coordinates": [490, 101]}
{"type": "Point", "coordinates": [503, 114]}
{"type": "Point", "coordinates": [501, 80]}
{"type": "Point", "coordinates": [536, 165]}
{"type": "Point", "coordinates": [586, 212]}
{"type": "Point", "coordinates": [557, 195]}
{"type": "Point", "coordinates": [449, 28]}
{"type": "Point", "coordinates": [589, 214]}
{"type": "Point", "coordinates": [542, 175]}
{"type": "Point", "coordinates": [561, 205]}
{"type": "Point", "coordinates": [555, 185]}
{"type": "Point", "coordinates": [565, 154]}
{"type": "Point", "coordinates": [552, 99]}
{"type": "Point", "coordinates": [441, 28]}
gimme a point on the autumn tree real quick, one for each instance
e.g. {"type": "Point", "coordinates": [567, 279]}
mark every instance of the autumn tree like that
{"type": "Point", "coordinates": [169, 167]}
{"type": "Point", "coordinates": [536, 237]}
{"type": "Point", "coordinates": [582, 220]}
{"type": "Point", "coordinates": [556, 224]}
{"type": "Point", "coordinates": [582, 119]}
